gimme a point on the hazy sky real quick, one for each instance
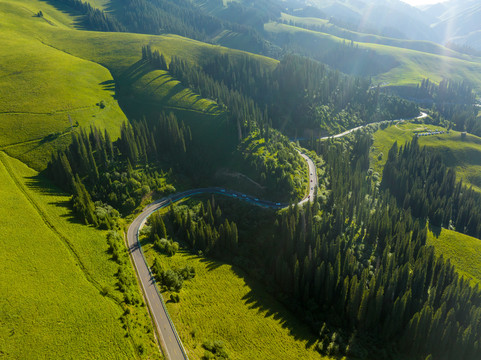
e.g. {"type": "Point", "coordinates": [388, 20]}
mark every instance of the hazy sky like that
{"type": "Point", "coordinates": [422, 2]}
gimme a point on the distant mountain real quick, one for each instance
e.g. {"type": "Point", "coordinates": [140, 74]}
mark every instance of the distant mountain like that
{"type": "Point", "coordinates": [460, 22]}
{"type": "Point", "coordinates": [392, 18]}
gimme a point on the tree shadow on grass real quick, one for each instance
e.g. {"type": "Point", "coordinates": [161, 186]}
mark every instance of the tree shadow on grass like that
{"type": "Point", "coordinates": [66, 9]}
{"type": "Point", "coordinates": [43, 186]}
{"type": "Point", "coordinates": [258, 298]}
{"type": "Point", "coordinates": [436, 230]}
{"type": "Point", "coordinates": [134, 72]}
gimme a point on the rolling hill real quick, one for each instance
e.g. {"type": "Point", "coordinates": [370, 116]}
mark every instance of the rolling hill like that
{"type": "Point", "coordinates": [463, 153]}
{"type": "Point", "coordinates": [387, 65]}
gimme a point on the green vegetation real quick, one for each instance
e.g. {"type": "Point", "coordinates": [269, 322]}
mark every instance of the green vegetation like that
{"type": "Point", "coordinates": [325, 26]}
{"type": "Point", "coordinates": [275, 165]}
{"type": "Point", "coordinates": [41, 86]}
{"type": "Point", "coordinates": [352, 266]}
{"type": "Point", "coordinates": [59, 278]}
{"type": "Point", "coordinates": [395, 66]}
{"type": "Point", "coordinates": [222, 303]}
{"type": "Point", "coordinates": [401, 132]}
{"type": "Point", "coordinates": [421, 182]}
{"type": "Point", "coordinates": [462, 153]}
{"type": "Point", "coordinates": [463, 251]}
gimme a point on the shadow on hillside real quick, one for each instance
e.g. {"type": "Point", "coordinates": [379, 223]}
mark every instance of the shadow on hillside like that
{"type": "Point", "coordinates": [66, 9]}
{"type": "Point", "coordinates": [259, 299]}
{"type": "Point", "coordinates": [108, 85]}
{"type": "Point", "coordinates": [134, 72]}
{"type": "Point", "coordinates": [436, 230]}
{"type": "Point", "coordinates": [44, 187]}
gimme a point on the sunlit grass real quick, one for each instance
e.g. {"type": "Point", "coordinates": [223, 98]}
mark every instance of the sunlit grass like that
{"type": "Point", "coordinates": [463, 251]}
{"type": "Point", "coordinates": [463, 153]}
{"type": "Point", "coordinates": [222, 303]}
{"type": "Point", "coordinates": [412, 66]}
{"type": "Point", "coordinates": [51, 308]}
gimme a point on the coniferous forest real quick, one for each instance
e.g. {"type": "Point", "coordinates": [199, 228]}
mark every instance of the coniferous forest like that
{"type": "Point", "coordinates": [353, 264]}
{"type": "Point", "coordinates": [299, 95]}
{"type": "Point", "coordinates": [240, 179]}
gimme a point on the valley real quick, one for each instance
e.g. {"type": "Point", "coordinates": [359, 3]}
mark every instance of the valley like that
{"type": "Point", "coordinates": [130, 130]}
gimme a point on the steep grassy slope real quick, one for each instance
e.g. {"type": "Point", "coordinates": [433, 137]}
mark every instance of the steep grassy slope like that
{"type": "Point", "coordinates": [463, 251]}
{"type": "Point", "coordinates": [400, 66]}
{"type": "Point", "coordinates": [139, 89]}
{"type": "Point", "coordinates": [41, 86]}
{"type": "Point", "coordinates": [52, 308]}
{"type": "Point", "coordinates": [461, 153]}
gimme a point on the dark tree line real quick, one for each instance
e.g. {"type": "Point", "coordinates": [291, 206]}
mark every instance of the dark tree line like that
{"type": "Point", "coordinates": [274, 163]}
{"type": "Point", "coordinates": [454, 101]}
{"type": "Point", "coordinates": [106, 168]}
{"type": "Point", "coordinates": [421, 182]}
{"type": "Point", "coordinates": [95, 19]}
{"type": "Point", "coordinates": [182, 17]}
{"type": "Point", "coordinates": [244, 113]}
{"type": "Point", "coordinates": [203, 228]}
{"type": "Point", "coordinates": [363, 266]}
{"type": "Point", "coordinates": [296, 95]}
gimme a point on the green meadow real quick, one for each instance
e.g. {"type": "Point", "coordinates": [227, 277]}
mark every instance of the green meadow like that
{"type": "Point", "coordinates": [328, 27]}
{"type": "Point", "coordinates": [463, 251]}
{"type": "Point", "coordinates": [463, 153]}
{"type": "Point", "coordinates": [52, 307]}
{"type": "Point", "coordinates": [221, 303]}
{"type": "Point", "coordinates": [409, 67]}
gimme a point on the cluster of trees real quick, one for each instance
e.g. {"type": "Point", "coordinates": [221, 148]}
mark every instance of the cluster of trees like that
{"type": "Point", "coordinates": [451, 102]}
{"type": "Point", "coordinates": [274, 164]}
{"type": "Point", "coordinates": [203, 228]}
{"type": "Point", "coordinates": [154, 57]}
{"type": "Point", "coordinates": [94, 168]}
{"type": "Point", "coordinates": [296, 95]}
{"type": "Point", "coordinates": [183, 17]}
{"type": "Point", "coordinates": [420, 181]}
{"type": "Point", "coordinates": [125, 277]}
{"type": "Point", "coordinates": [455, 101]}
{"type": "Point", "coordinates": [95, 19]}
{"type": "Point", "coordinates": [244, 113]}
{"type": "Point", "coordinates": [176, 17]}
{"type": "Point", "coordinates": [446, 94]}
{"type": "Point", "coordinates": [172, 279]}
{"type": "Point", "coordinates": [361, 264]}
{"type": "Point", "coordinates": [311, 95]}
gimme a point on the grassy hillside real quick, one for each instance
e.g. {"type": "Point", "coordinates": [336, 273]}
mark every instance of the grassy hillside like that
{"type": "Point", "coordinates": [41, 86]}
{"type": "Point", "coordinates": [463, 251]}
{"type": "Point", "coordinates": [404, 66]}
{"type": "Point", "coordinates": [461, 153]}
{"type": "Point", "coordinates": [54, 306]}
{"type": "Point", "coordinates": [324, 25]}
{"type": "Point", "coordinates": [89, 68]}
{"type": "Point", "coordinates": [221, 303]}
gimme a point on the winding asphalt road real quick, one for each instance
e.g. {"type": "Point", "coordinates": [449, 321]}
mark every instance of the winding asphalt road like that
{"type": "Point", "coordinates": [169, 339]}
{"type": "Point", "coordinates": [347, 132]}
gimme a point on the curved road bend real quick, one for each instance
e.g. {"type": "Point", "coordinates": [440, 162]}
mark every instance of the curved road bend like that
{"type": "Point", "coordinates": [169, 339]}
